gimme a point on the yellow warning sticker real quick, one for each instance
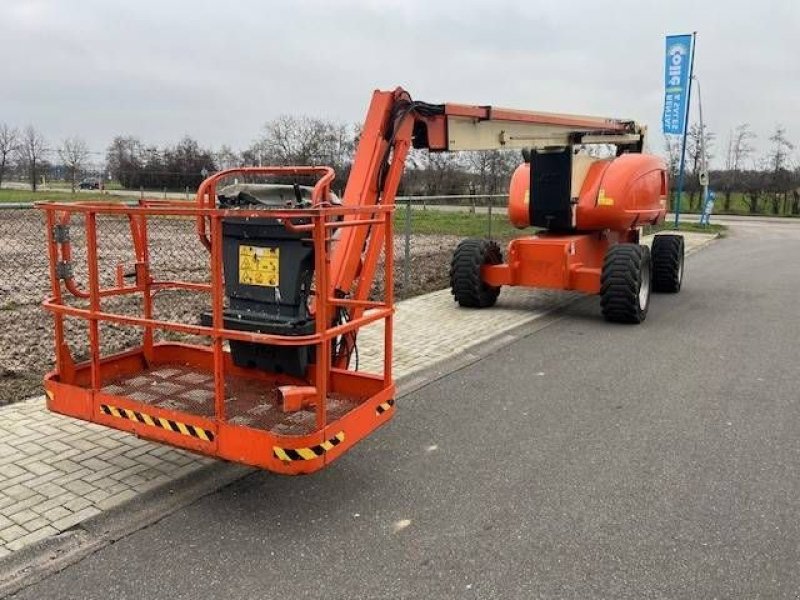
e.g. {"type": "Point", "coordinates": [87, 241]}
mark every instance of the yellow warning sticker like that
{"type": "Point", "coordinates": [603, 200]}
{"type": "Point", "coordinates": [259, 266]}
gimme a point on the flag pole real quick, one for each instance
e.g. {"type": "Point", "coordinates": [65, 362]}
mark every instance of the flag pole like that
{"type": "Point", "coordinates": [681, 171]}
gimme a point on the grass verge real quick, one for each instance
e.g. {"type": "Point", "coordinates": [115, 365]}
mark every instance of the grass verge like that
{"type": "Point", "coordinates": [27, 196]}
{"type": "Point", "coordinates": [464, 224]}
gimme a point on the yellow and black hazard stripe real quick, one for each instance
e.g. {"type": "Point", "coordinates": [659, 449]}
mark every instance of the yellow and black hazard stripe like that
{"type": "Point", "coordinates": [383, 407]}
{"type": "Point", "coordinates": [291, 454]}
{"type": "Point", "coordinates": [168, 424]}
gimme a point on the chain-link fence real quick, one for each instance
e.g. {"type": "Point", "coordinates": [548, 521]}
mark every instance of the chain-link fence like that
{"type": "Point", "coordinates": [26, 346]}
{"type": "Point", "coordinates": [427, 230]}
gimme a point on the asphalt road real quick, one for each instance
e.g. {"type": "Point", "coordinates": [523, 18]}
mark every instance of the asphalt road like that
{"type": "Point", "coordinates": [587, 460]}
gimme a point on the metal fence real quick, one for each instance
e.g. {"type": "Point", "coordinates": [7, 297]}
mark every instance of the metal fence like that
{"type": "Point", "coordinates": [24, 266]}
{"type": "Point", "coordinates": [472, 203]}
{"type": "Point", "coordinates": [24, 276]}
{"type": "Point", "coordinates": [421, 265]}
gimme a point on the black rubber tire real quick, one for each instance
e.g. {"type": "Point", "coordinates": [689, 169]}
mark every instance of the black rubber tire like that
{"type": "Point", "coordinates": [668, 254]}
{"type": "Point", "coordinates": [466, 285]}
{"type": "Point", "coordinates": [626, 270]}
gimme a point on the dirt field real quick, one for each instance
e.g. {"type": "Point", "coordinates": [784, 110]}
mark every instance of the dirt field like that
{"type": "Point", "coordinates": [26, 344]}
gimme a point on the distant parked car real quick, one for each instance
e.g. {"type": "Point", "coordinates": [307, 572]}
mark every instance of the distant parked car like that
{"type": "Point", "coordinates": [89, 184]}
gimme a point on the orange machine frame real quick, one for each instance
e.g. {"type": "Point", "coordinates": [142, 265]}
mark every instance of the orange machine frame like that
{"type": "Point", "coordinates": [344, 275]}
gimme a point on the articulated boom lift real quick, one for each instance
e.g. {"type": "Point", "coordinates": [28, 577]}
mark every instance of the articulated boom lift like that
{"type": "Point", "coordinates": [290, 274]}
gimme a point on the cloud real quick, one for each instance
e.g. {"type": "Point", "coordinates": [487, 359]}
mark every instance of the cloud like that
{"type": "Point", "coordinates": [160, 70]}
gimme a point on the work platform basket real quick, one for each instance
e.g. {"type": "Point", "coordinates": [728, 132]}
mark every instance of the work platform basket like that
{"type": "Point", "coordinates": [177, 382]}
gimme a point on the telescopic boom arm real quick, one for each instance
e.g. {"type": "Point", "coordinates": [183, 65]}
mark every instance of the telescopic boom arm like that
{"type": "Point", "coordinates": [395, 123]}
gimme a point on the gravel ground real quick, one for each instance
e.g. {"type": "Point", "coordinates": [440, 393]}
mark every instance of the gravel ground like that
{"type": "Point", "coordinates": [26, 338]}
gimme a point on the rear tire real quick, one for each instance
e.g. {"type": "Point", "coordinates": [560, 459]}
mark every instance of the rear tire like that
{"type": "Point", "coordinates": [625, 283]}
{"type": "Point", "coordinates": [466, 285]}
{"type": "Point", "coordinates": [668, 255]}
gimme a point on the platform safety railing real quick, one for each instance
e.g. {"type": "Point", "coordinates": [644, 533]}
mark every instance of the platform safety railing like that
{"type": "Point", "coordinates": [319, 223]}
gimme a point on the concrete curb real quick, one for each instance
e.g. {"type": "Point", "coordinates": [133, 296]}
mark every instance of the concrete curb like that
{"type": "Point", "coordinates": [51, 555]}
{"type": "Point", "coordinates": [708, 242]}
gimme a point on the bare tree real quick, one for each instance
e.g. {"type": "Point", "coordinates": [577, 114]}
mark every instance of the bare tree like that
{"type": "Point", "coordinates": [185, 162]}
{"type": "Point", "coordinates": [778, 163]}
{"type": "Point", "coordinates": [30, 153]}
{"type": "Point", "coordinates": [305, 140]}
{"type": "Point", "coordinates": [694, 146]}
{"type": "Point", "coordinates": [73, 152]}
{"type": "Point", "coordinates": [694, 150]}
{"type": "Point", "coordinates": [8, 144]}
{"type": "Point", "coordinates": [781, 148]}
{"type": "Point", "coordinates": [672, 152]}
{"type": "Point", "coordinates": [443, 173]}
{"type": "Point", "coordinates": [290, 140]}
{"type": "Point", "coordinates": [124, 160]}
{"type": "Point", "coordinates": [493, 168]}
{"type": "Point", "coordinates": [226, 158]}
{"type": "Point", "coordinates": [740, 149]}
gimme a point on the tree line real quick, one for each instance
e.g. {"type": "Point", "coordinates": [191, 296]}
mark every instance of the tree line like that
{"type": "Point", "coordinates": [26, 155]}
{"type": "Point", "coordinates": [768, 182]}
{"type": "Point", "coordinates": [758, 183]}
{"type": "Point", "coordinates": [24, 152]}
{"type": "Point", "coordinates": [302, 140]}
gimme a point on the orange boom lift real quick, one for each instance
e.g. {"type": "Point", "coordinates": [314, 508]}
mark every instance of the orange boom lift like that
{"type": "Point", "coordinates": [290, 271]}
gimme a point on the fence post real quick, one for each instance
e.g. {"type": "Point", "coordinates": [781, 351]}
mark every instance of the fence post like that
{"type": "Point", "coordinates": [407, 258]}
{"type": "Point", "coordinates": [491, 201]}
{"type": "Point", "coordinates": [165, 193]}
{"type": "Point", "coordinates": [472, 191]}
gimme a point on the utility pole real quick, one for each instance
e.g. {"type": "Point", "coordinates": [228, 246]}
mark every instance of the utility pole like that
{"type": "Point", "coordinates": [703, 156]}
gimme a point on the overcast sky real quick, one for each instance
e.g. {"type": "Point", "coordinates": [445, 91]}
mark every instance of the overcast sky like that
{"type": "Point", "coordinates": [218, 70]}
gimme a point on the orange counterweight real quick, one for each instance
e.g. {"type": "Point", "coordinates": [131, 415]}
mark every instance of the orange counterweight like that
{"type": "Point", "coordinates": [615, 193]}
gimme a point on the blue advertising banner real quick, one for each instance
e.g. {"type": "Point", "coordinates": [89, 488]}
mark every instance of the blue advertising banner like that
{"type": "Point", "coordinates": [676, 83]}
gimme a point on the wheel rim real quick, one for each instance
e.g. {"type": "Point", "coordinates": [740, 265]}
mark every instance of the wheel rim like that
{"type": "Point", "coordinates": [680, 270]}
{"type": "Point", "coordinates": [644, 286]}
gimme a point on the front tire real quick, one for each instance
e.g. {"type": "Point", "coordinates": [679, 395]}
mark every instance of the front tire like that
{"type": "Point", "coordinates": [625, 283]}
{"type": "Point", "coordinates": [668, 255]}
{"type": "Point", "coordinates": [466, 285]}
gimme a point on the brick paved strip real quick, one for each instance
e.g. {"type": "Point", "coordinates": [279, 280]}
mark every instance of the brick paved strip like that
{"type": "Point", "coordinates": [56, 472]}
